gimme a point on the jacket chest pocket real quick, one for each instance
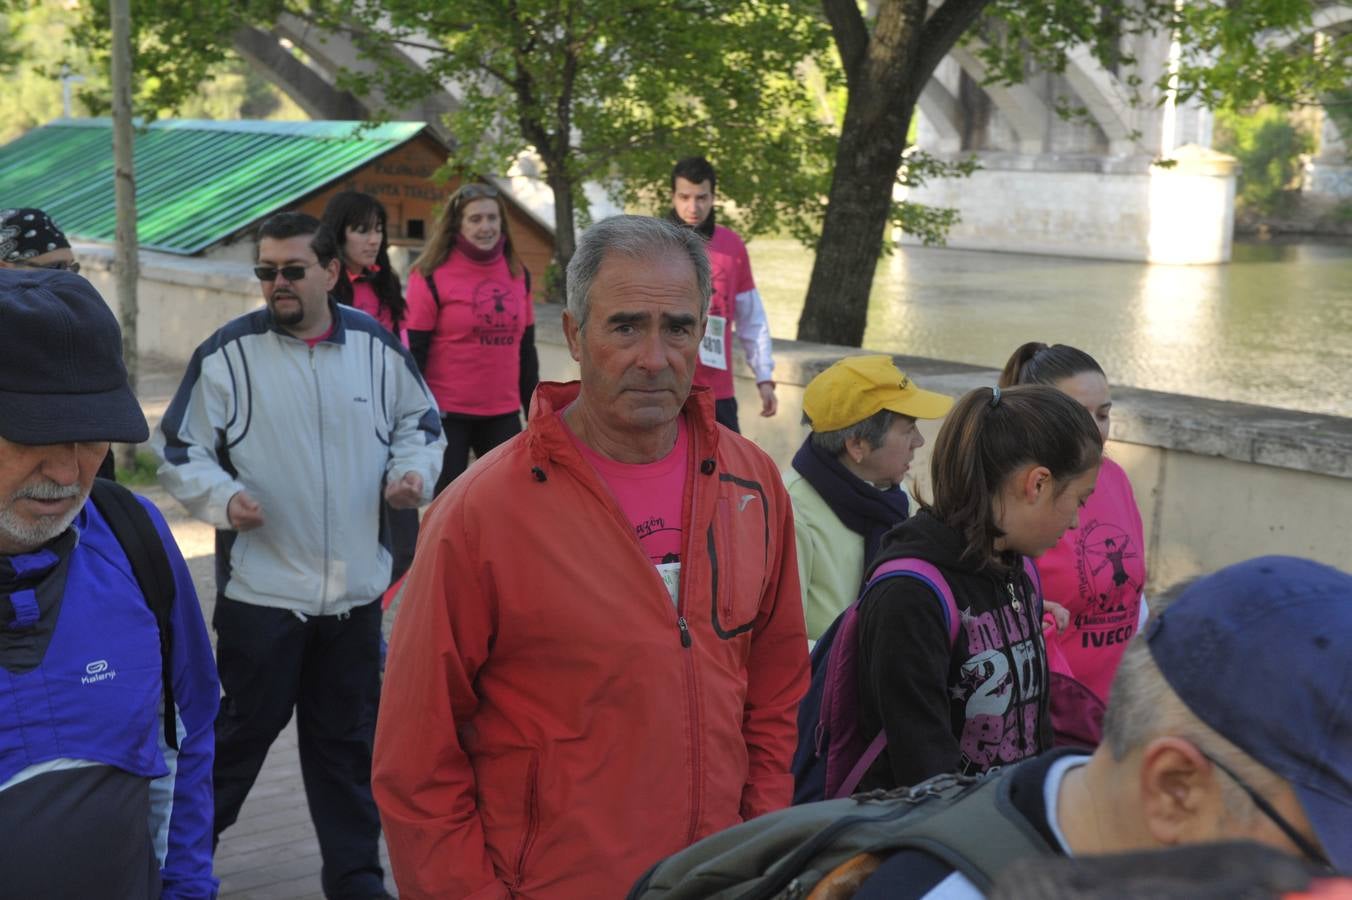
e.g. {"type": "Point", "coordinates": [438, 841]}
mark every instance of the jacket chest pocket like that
{"type": "Point", "coordinates": [739, 547]}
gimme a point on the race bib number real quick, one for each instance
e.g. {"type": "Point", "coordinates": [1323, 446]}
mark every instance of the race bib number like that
{"type": "Point", "coordinates": [671, 577]}
{"type": "Point", "coordinates": [713, 349]}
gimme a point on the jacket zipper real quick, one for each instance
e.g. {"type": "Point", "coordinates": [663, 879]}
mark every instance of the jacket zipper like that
{"type": "Point", "coordinates": [692, 699]}
{"type": "Point", "coordinates": [682, 626]}
{"type": "Point", "coordinates": [324, 482]}
{"type": "Point", "coordinates": [532, 819]}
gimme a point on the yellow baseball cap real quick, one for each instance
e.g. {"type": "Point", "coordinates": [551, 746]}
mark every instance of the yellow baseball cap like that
{"type": "Point", "coordinates": [856, 387]}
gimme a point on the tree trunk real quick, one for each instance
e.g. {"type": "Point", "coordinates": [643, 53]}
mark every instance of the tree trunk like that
{"type": "Point", "coordinates": [867, 159]}
{"type": "Point", "coordinates": [565, 234]}
{"type": "Point", "coordinates": [126, 270]}
{"type": "Point", "coordinates": [886, 68]}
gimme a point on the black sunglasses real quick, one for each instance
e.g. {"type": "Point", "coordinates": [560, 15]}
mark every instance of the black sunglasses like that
{"type": "Point", "coordinates": [71, 267]}
{"type": "Point", "coordinates": [269, 273]}
{"type": "Point", "coordinates": [1307, 848]}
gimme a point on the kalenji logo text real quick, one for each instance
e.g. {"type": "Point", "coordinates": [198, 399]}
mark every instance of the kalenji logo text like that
{"type": "Point", "coordinates": [98, 671]}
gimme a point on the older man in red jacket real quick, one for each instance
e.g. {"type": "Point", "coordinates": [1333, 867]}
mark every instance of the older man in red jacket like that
{"type": "Point", "coordinates": [601, 646]}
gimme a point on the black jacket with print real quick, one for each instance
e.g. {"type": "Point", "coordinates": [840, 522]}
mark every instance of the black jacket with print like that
{"type": "Point", "coordinates": [980, 704]}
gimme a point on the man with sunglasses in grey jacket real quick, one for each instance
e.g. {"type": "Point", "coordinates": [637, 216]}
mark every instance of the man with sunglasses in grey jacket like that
{"type": "Point", "coordinates": [291, 424]}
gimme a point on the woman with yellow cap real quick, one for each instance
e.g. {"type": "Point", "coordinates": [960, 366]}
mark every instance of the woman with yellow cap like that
{"type": "Point", "coordinates": [845, 482]}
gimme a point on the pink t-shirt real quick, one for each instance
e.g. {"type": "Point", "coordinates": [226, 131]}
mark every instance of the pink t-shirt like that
{"type": "Point", "coordinates": [474, 363]}
{"type": "Point", "coordinates": [364, 298]}
{"type": "Point", "coordinates": [650, 495]}
{"type": "Point", "coordinates": [1097, 571]}
{"type": "Point", "coordinates": [314, 341]}
{"type": "Point", "coordinates": [732, 276]}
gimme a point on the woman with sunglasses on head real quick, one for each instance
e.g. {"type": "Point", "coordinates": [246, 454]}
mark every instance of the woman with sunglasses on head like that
{"type": "Point", "coordinates": [368, 282]}
{"type": "Point", "coordinates": [471, 326]}
{"type": "Point", "coordinates": [1097, 570]}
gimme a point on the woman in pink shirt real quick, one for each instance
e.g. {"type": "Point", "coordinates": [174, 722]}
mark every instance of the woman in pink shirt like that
{"type": "Point", "coordinates": [471, 326]}
{"type": "Point", "coordinates": [1097, 570]}
{"type": "Point", "coordinates": [369, 283]}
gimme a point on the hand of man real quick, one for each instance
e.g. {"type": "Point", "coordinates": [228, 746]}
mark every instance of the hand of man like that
{"type": "Point", "coordinates": [1060, 616]}
{"type": "Point", "coordinates": [769, 402]}
{"type": "Point", "coordinates": [244, 512]}
{"type": "Point", "coordinates": [406, 493]}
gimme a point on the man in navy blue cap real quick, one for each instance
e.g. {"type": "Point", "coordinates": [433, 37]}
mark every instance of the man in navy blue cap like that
{"type": "Point", "coordinates": [107, 690]}
{"type": "Point", "coordinates": [1230, 720]}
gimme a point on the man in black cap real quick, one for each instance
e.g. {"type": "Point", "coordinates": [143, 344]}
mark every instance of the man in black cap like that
{"type": "Point", "coordinates": [29, 239]}
{"type": "Point", "coordinates": [107, 688]}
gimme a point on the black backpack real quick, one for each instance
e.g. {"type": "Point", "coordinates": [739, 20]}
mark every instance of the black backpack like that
{"type": "Point", "coordinates": [969, 822]}
{"type": "Point", "coordinates": [135, 531]}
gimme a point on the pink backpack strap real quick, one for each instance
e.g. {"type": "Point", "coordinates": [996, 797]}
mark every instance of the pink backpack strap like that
{"type": "Point", "coordinates": [934, 579]}
{"type": "Point", "coordinates": [930, 575]}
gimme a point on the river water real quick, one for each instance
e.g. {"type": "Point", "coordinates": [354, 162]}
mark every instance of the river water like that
{"type": "Point", "coordinates": [1273, 327]}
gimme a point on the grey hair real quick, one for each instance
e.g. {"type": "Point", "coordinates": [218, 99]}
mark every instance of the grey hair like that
{"type": "Point", "coordinates": [873, 430]}
{"type": "Point", "coordinates": [1142, 706]}
{"type": "Point", "coordinates": [637, 237]}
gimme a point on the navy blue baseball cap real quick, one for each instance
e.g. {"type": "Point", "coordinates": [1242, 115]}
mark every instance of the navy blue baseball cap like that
{"type": "Point", "coordinates": [61, 372]}
{"type": "Point", "coordinates": [1258, 651]}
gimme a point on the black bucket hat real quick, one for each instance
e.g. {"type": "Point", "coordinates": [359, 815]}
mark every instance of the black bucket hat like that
{"type": "Point", "coordinates": [61, 372]}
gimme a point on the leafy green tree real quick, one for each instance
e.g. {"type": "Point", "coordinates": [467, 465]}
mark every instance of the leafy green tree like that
{"type": "Point", "coordinates": [1268, 145]}
{"type": "Point", "coordinates": [179, 46]}
{"type": "Point", "coordinates": [888, 59]}
{"type": "Point", "coordinates": [615, 91]}
{"type": "Point", "coordinates": [43, 38]}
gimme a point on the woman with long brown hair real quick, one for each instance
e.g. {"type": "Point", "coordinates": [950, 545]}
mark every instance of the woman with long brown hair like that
{"type": "Point", "coordinates": [471, 326]}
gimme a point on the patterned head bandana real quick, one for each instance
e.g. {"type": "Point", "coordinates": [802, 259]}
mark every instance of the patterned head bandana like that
{"type": "Point", "coordinates": [26, 233]}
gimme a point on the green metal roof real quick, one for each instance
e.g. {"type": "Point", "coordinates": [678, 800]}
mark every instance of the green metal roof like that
{"type": "Point", "coordinates": [197, 181]}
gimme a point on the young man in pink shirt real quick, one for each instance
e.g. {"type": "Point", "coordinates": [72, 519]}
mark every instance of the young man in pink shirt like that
{"type": "Point", "coordinates": [736, 304]}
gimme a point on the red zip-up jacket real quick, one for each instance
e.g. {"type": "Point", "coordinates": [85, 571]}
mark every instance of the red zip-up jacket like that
{"type": "Point", "coordinates": [551, 725]}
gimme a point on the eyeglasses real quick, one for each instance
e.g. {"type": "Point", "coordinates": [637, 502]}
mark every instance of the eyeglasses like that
{"type": "Point", "coordinates": [269, 273]}
{"type": "Point", "coordinates": [1307, 848]}
{"type": "Point", "coordinates": [63, 266]}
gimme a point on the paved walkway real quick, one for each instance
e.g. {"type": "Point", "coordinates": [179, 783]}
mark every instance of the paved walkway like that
{"type": "Point", "coordinates": [271, 853]}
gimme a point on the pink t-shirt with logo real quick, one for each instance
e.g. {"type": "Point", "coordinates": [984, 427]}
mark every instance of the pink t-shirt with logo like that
{"type": "Point", "coordinates": [474, 363]}
{"type": "Point", "coordinates": [364, 298]}
{"type": "Point", "coordinates": [1097, 571]}
{"type": "Point", "coordinates": [732, 276]}
{"type": "Point", "coordinates": [650, 495]}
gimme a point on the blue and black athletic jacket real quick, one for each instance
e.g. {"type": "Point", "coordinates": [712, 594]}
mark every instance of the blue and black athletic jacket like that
{"type": "Point", "coordinates": [93, 801]}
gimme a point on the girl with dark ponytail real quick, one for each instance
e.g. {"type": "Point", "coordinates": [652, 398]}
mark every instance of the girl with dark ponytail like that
{"type": "Point", "coordinates": [1097, 570]}
{"type": "Point", "coordinates": [1010, 470]}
